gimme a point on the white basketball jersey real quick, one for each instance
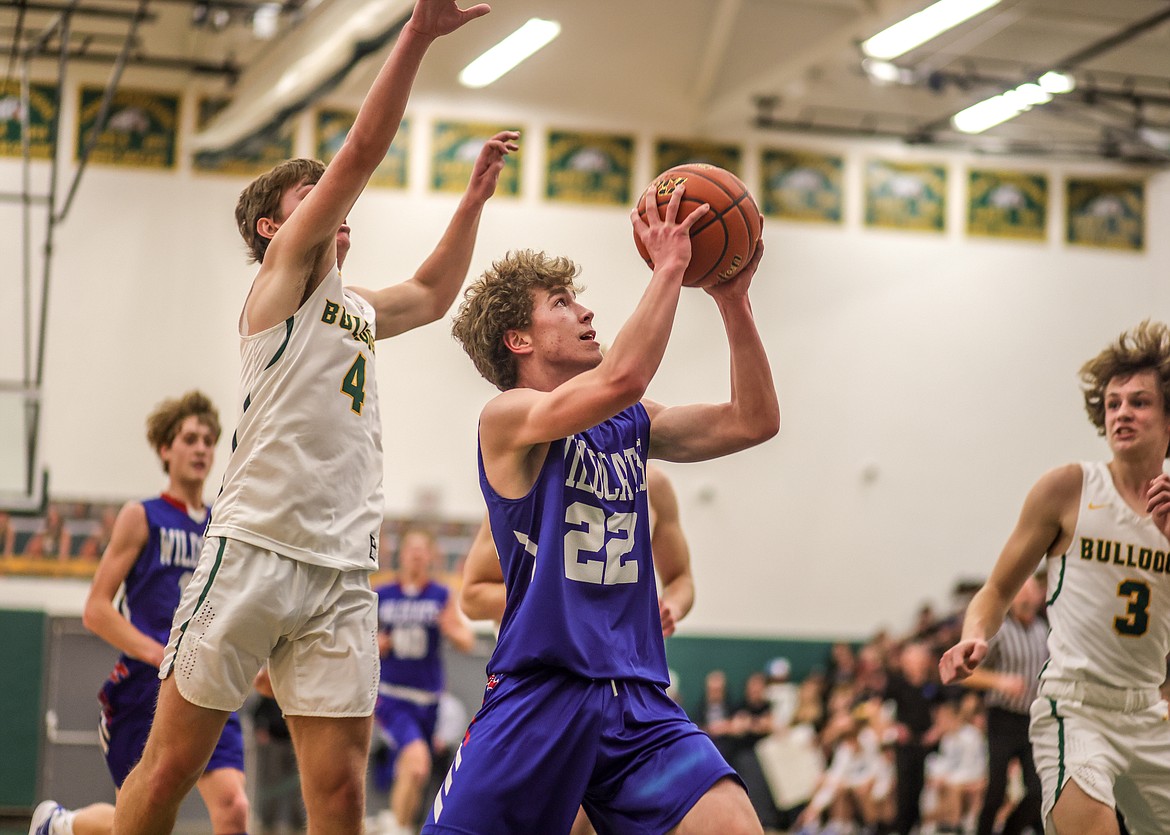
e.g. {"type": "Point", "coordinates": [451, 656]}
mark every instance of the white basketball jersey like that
{"type": "Point", "coordinates": [305, 475]}
{"type": "Point", "coordinates": [1109, 594]}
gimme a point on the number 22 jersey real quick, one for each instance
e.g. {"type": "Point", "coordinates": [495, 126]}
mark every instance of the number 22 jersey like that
{"type": "Point", "coordinates": [575, 554]}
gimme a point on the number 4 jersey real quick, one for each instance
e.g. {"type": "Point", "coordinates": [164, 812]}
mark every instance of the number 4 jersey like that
{"type": "Point", "coordinates": [305, 474]}
{"type": "Point", "coordinates": [575, 554]}
{"type": "Point", "coordinates": [1109, 594]}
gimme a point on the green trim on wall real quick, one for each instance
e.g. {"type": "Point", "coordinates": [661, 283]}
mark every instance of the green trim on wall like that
{"type": "Point", "coordinates": [22, 664]}
{"type": "Point", "coordinates": [692, 657]}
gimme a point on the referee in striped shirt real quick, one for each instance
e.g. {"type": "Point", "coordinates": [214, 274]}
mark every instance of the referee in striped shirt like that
{"type": "Point", "coordinates": [1009, 675]}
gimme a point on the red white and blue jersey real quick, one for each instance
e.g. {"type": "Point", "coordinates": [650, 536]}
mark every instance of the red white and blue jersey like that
{"type": "Point", "coordinates": [575, 554]}
{"type": "Point", "coordinates": [413, 668]}
{"type": "Point", "coordinates": [156, 581]}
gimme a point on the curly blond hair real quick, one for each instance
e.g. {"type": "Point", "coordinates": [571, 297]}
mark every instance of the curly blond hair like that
{"type": "Point", "coordinates": [261, 198]}
{"type": "Point", "coordinates": [162, 425]}
{"type": "Point", "coordinates": [501, 300]}
{"type": "Point", "coordinates": [1143, 348]}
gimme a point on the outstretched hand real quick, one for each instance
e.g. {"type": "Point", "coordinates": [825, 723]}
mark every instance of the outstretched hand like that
{"type": "Point", "coordinates": [435, 18]}
{"type": "Point", "coordinates": [1158, 503]}
{"type": "Point", "coordinates": [960, 661]}
{"type": "Point", "coordinates": [490, 163]}
{"type": "Point", "coordinates": [664, 236]}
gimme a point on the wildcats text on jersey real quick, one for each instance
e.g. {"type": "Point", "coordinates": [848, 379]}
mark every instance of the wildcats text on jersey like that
{"type": "Point", "coordinates": [610, 476]}
{"type": "Point", "coordinates": [178, 547]}
{"type": "Point", "coordinates": [358, 327]}
{"type": "Point", "coordinates": [1127, 554]}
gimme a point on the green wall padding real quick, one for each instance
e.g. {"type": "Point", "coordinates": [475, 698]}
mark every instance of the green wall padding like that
{"type": "Point", "coordinates": [692, 657]}
{"type": "Point", "coordinates": [21, 671]}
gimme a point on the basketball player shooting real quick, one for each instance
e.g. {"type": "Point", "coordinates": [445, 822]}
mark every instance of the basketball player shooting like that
{"type": "Point", "coordinates": [576, 710]}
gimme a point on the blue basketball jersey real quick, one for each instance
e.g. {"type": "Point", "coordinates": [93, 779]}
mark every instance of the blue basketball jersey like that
{"type": "Point", "coordinates": [413, 621]}
{"type": "Point", "coordinates": [157, 579]}
{"type": "Point", "coordinates": [575, 554]}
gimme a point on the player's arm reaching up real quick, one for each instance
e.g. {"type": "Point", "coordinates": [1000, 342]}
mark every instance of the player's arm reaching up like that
{"type": "Point", "coordinates": [429, 293]}
{"type": "Point", "coordinates": [700, 431]}
{"type": "Point", "coordinates": [303, 244]}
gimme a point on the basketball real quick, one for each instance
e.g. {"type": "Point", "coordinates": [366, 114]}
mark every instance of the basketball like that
{"type": "Point", "coordinates": [724, 239]}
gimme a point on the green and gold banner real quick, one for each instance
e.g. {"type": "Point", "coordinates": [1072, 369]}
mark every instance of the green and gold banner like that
{"type": "Point", "coordinates": [252, 161]}
{"type": "Point", "coordinates": [802, 186]}
{"type": "Point", "coordinates": [330, 130]}
{"type": "Point", "coordinates": [456, 146]}
{"type": "Point", "coordinates": [42, 110]}
{"type": "Point", "coordinates": [1007, 204]}
{"type": "Point", "coordinates": [671, 152]}
{"type": "Point", "coordinates": [141, 130]}
{"type": "Point", "coordinates": [905, 196]}
{"type": "Point", "coordinates": [1107, 213]}
{"type": "Point", "coordinates": [589, 167]}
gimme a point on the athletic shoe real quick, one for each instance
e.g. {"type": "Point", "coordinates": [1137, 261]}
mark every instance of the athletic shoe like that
{"type": "Point", "coordinates": [42, 817]}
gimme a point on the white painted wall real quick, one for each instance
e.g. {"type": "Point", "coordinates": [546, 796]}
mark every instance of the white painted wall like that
{"type": "Point", "coordinates": [944, 367]}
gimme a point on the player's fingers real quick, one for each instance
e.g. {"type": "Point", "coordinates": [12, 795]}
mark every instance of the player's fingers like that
{"type": "Point", "coordinates": [693, 218]}
{"type": "Point", "coordinates": [675, 201]}
{"type": "Point", "coordinates": [652, 216]}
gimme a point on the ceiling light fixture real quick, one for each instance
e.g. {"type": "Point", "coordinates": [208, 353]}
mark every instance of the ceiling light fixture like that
{"type": "Point", "coordinates": [923, 26]}
{"type": "Point", "coordinates": [509, 52]}
{"type": "Point", "coordinates": [998, 109]}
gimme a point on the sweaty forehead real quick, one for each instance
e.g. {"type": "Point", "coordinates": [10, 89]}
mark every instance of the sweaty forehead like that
{"type": "Point", "coordinates": [1144, 380]}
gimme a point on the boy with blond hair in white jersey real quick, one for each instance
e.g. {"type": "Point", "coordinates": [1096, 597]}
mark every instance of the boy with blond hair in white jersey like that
{"type": "Point", "coordinates": [1099, 727]}
{"type": "Point", "coordinates": [283, 579]}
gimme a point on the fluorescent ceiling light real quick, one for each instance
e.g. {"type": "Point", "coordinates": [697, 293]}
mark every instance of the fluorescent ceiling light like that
{"type": "Point", "coordinates": [998, 109]}
{"type": "Point", "coordinates": [919, 28]}
{"type": "Point", "coordinates": [509, 52]}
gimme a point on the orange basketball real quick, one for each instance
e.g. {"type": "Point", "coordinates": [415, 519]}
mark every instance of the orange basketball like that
{"type": "Point", "coordinates": [724, 239]}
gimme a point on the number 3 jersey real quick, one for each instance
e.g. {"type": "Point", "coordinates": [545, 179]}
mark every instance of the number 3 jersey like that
{"type": "Point", "coordinates": [1109, 593]}
{"type": "Point", "coordinates": [305, 474]}
{"type": "Point", "coordinates": [575, 554]}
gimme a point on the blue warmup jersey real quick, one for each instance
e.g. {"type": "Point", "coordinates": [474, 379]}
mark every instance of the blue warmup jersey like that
{"type": "Point", "coordinates": [153, 587]}
{"type": "Point", "coordinates": [575, 554]}
{"type": "Point", "coordinates": [413, 621]}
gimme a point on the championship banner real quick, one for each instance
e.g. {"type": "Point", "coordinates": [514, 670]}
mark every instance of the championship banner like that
{"type": "Point", "coordinates": [1106, 213]}
{"type": "Point", "coordinates": [905, 196]}
{"type": "Point", "coordinates": [456, 146]}
{"type": "Point", "coordinates": [802, 186]}
{"type": "Point", "coordinates": [671, 152]}
{"type": "Point", "coordinates": [1007, 204]}
{"type": "Point", "coordinates": [258, 157]}
{"type": "Point", "coordinates": [140, 132]}
{"type": "Point", "coordinates": [594, 168]}
{"type": "Point", "coordinates": [42, 110]}
{"type": "Point", "coordinates": [332, 126]}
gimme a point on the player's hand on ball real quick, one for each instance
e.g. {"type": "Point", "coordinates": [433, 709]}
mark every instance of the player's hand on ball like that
{"type": "Point", "coordinates": [737, 286]}
{"type": "Point", "coordinates": [666, 238]}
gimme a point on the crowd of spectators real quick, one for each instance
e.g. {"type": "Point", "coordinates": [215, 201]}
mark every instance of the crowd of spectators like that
{"type": "Point", "coordinates": [869, 742]}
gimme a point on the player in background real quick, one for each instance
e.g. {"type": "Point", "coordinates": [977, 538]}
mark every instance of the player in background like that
{"type": "Point", "coordinates": [415, 612]}
{"type": "Point", "coordinates": [1099, 733]}
{"type": "Point", "coordinates": [153, 550]}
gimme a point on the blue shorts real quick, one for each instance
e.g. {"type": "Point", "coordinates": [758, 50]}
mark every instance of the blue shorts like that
{"type": "Point", "coordinates": [401, 723]}
{"type": "Point", "coordinates": [547, 742]}
{"type": "Point", "coordinates": [128, 699]}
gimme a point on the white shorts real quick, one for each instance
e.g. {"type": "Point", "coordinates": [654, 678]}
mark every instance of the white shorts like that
{"type": "Point", "coordinates": [315, 626]}
{"type": "Point", "coordinates": [1117, 758]}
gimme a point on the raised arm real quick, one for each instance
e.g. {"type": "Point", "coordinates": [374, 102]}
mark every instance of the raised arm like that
{"type": "Point", "coordinates": [127, 540]}
{"type": "Point", "coordinates": [304, 244]}
{"type": "Point", "coordinates": [483, 595]}
{"type": "Point", "coordinates": [701, 431]}
{"type": "Point", "coordinates": [672, 555]}
{"type": "Point", "coordinates": [520, 419]}
{"type": "Point", "coordinates": [1045, 524]}
{"type": "Point", "coordinates": [428, 294]}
